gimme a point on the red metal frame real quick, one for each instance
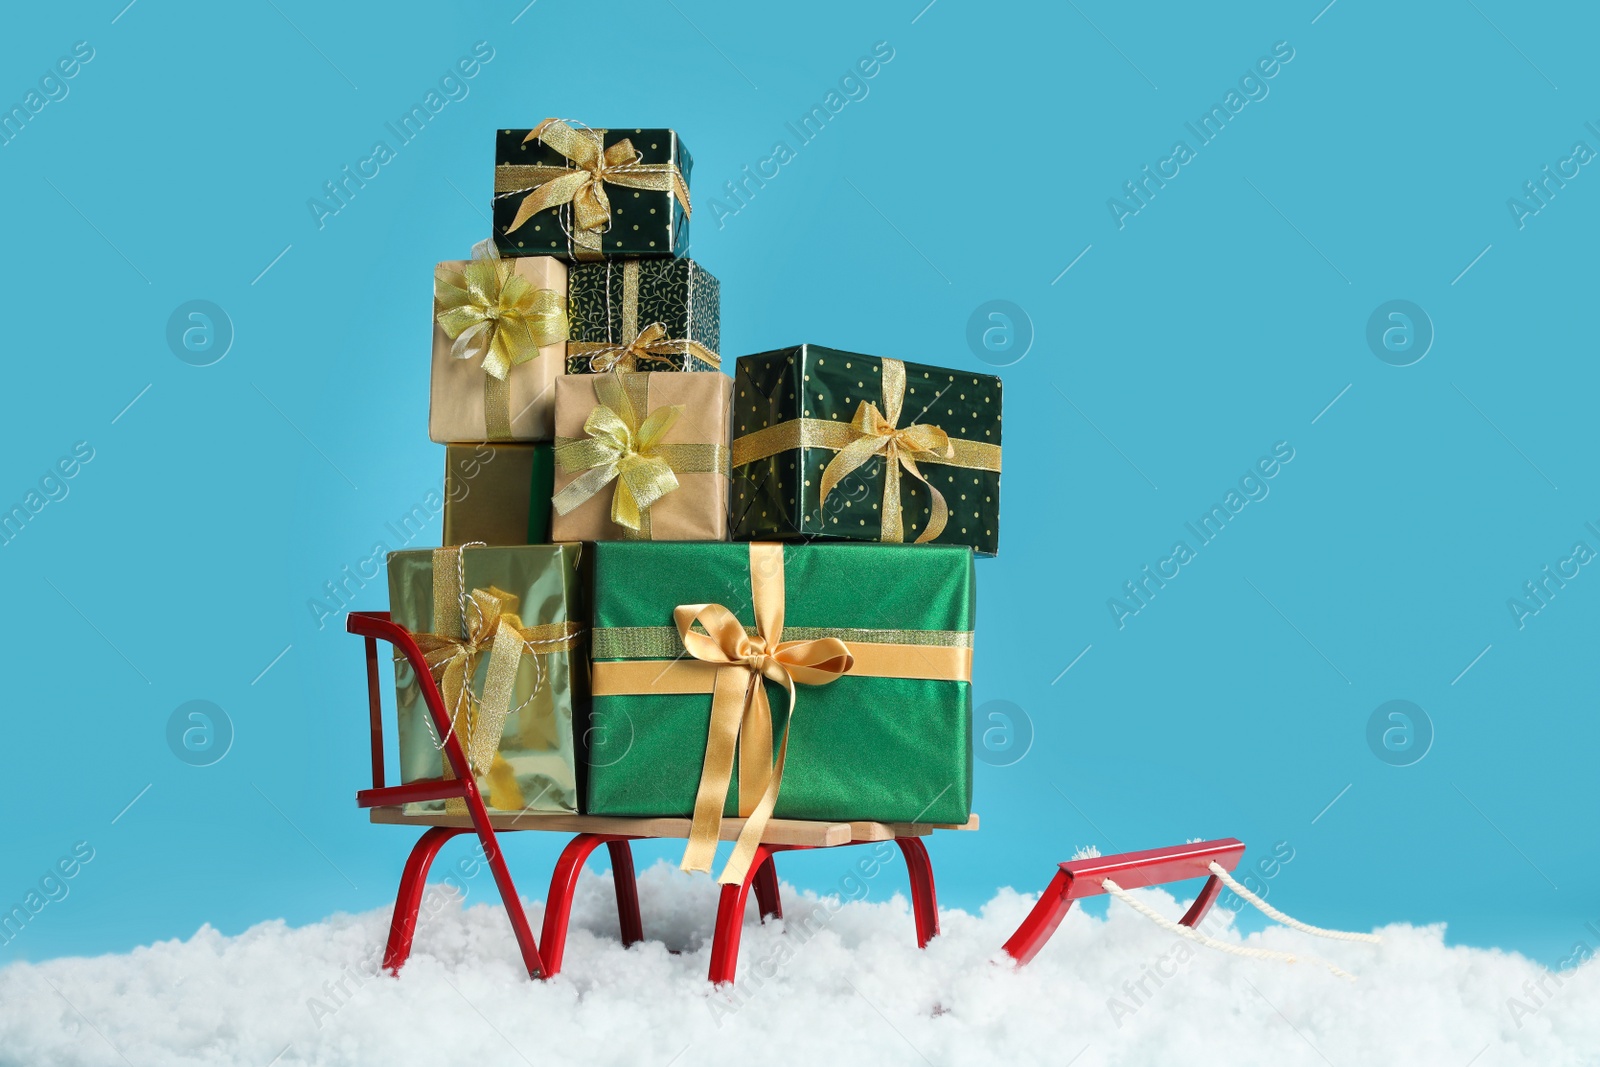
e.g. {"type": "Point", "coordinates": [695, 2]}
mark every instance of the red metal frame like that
{"type": "Point", "coordinates": [1132, 870]}
{"type": "Point", "coordinates": [1074, 880]}
{"type": "Point", "coordinates": [763, 878]}
{"type": "Point", "coordinates": [375, 626]}
{"type": "Point", "coordinates": [564, 883]}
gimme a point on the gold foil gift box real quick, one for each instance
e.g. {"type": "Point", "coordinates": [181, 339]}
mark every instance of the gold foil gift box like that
{"type": "Point", "coordinates": [641, 457]}
{"type": "Point", "coordinates": [501, 629]}
{"type": "Point", "coordinates": [498, 494]}
{"type": "Point", "coordinates": [499, 341]}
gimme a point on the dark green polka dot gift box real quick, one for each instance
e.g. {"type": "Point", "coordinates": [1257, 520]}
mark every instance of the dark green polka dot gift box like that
{"type": "Point", "coordinates": [577, 193]}
{"type": "Point", "coordinates": [830, 444]}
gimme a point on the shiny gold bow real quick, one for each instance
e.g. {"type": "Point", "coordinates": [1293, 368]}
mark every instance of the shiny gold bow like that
{"type": "Point", "coordinates": [651, 341]}
{"type": "Point", "coordinates": [494, 314]}
{"type": "Point", "coordinates": [875, 435]}
{"type": "Point", "coordinates": [583, 184]}
{"type": "Point", "coordinates": [622, 448]}
{"type": "Point", "coordinates": [740, 713]}
{"type": "Point", "coordinates": [485, 623]}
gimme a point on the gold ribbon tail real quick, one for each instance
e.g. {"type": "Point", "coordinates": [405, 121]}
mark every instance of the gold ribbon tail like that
{"type": "Point", "coordinates": [728, 701]}
{"type": "Point", "coordinates": [739, 702]}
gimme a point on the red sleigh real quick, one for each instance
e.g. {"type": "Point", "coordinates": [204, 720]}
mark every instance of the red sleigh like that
{"type": "Point", "coordinates": [1073, 880]}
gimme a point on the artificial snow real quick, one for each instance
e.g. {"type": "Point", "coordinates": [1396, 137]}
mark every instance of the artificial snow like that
{"type": "Point", "coordinates": [838, 982]}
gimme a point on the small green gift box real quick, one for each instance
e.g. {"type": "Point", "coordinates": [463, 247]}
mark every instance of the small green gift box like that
{"type": "Point", "coordinates": [579, 193]}
{"type": "Point", "coordinates": [875, 641]}
{"type": "Point", "coordinates": [643, 315]}
{"type": "Point", "coordinates": [830, 444]}
{"type": "Point", "coordinates": [501, 629]}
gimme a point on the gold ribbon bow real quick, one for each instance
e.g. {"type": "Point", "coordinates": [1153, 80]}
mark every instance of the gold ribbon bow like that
{"type": "Point", "coordinates": [875, 434]}
{"type": "Point", "coordinates": [493, 314]}
{"type": "Point", "coordinates": [651, 341]}
{"type": "Point", "coordinates": [582, 184]}
{"type": "Point", "coordinates": [740, 710]}
{"type": "Point", "coordinates": [621, 448]}
{"type": "Point", "coordinates": [465, 630]}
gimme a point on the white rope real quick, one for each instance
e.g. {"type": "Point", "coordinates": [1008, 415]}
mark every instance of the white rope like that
{"type": "Point", "coordinates": [1221, 946]}
{"type": "Point", "coordinates": [1294, 924]}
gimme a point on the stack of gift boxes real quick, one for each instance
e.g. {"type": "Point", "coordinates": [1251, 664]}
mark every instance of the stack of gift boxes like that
{"type": "Point", "coordinates": [665, 590]}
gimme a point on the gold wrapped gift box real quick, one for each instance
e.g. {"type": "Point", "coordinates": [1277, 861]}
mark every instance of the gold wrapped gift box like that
{"type": "Point", "coordinates": [498, 494]}
{"type": "Point", "coordinates": [501, 628]}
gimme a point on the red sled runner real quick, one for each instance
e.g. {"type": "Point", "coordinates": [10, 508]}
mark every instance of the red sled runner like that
{"type": "Point", "coordinates": [1074, 880]}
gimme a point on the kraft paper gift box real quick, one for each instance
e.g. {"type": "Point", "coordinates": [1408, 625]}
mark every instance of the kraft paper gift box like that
{"type": "Point", "coordinates": [888, 740]}
{"type": "Point", "coordinates": [499, 341]}
{"type": "Point", "coordinates": [830, 444]}
{"type": "Point", "coordinates": [641, 456]}
{"type": "Point", "coordinates": [498, 494]}
{"type": "Point", "coordinates": [580, 193]}
{"type": "Point", "coordinates": [643, 315]}
{"type": "Point", "coordinates": [456, 602]}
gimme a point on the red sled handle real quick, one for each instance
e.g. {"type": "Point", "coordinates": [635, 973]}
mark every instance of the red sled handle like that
{"type": "Point", "coordinates": [1132, 870]}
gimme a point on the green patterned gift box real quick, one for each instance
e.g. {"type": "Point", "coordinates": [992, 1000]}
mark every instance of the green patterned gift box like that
{"type": "Point", "coordinates": [830, 444]}
{"type": "Point", "coordinates": [501, 627]}
{"type": "Point", "coordinates": [875, 639]}
{"type": "Point", "coordinates": [579, 193]}
{"type": "Point", "coordinates": [643, 315]}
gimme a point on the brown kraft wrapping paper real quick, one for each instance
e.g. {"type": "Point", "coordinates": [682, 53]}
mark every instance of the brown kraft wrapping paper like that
{"type": "Point", "coordinates": [456, 402]}
{"type": "Point", "coordinates": [695, 511]}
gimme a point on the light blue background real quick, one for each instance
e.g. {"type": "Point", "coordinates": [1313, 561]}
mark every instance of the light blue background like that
{"type": "Point", "coordinates": [1223, 318]}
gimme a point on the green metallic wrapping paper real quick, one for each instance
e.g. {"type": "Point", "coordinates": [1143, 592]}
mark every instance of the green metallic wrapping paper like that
{"type": "Point", "coordinates": [643, 222]}
{"type": "Point", "coordinates": [883, 749]}
{"type": "Point", "coordinates": [678, 293]}
{"type": "Point", "coordinates": [550, 695]}
{"type": "Point", "coordinates": [780, 498]}
{"type": "Point", "coordinates": [498, 493]}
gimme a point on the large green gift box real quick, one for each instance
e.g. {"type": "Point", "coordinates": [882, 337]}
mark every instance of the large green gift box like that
{"type": "Point", "coordinates": [579, 193]}
{"type": "Point", "coordinates": [501, 627]}
{"type": "Point", "coordinates": [830, 444]}
{"type": "Point", "coordinates": [889, 740]}
{"type": "Point", "coordinates": [643, 315]}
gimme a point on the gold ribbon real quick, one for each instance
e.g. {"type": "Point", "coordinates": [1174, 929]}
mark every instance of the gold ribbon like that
{"type": "Point", "coordinates": [625, 446]}
{"type": "Point", "coordinates": [494, 314]}
{"type": "Point", "coordinates": [582, 183]}
{"type": "Point", "coordinates": [731, 662]}
{"type": "Point", "coordinates": [651, 341]}
{"type": "Point", "coordinates": [872, 433]}
{"type": "Point", "coordinates": [739, 707]}
{"type": "Point", "coordinates": [485, 623]}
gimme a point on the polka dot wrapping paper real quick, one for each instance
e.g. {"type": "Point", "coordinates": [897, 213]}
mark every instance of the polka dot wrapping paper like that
{"type": "Point", "coordinates": [779, 471]}
{"type": "Point", "coordinates": [643, 222]}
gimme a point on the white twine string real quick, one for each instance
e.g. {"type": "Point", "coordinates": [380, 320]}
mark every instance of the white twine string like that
{"type": "Point", "coordinates": [1221, 946]}
{"type": "Point", "coordinates": [1294, 924]}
